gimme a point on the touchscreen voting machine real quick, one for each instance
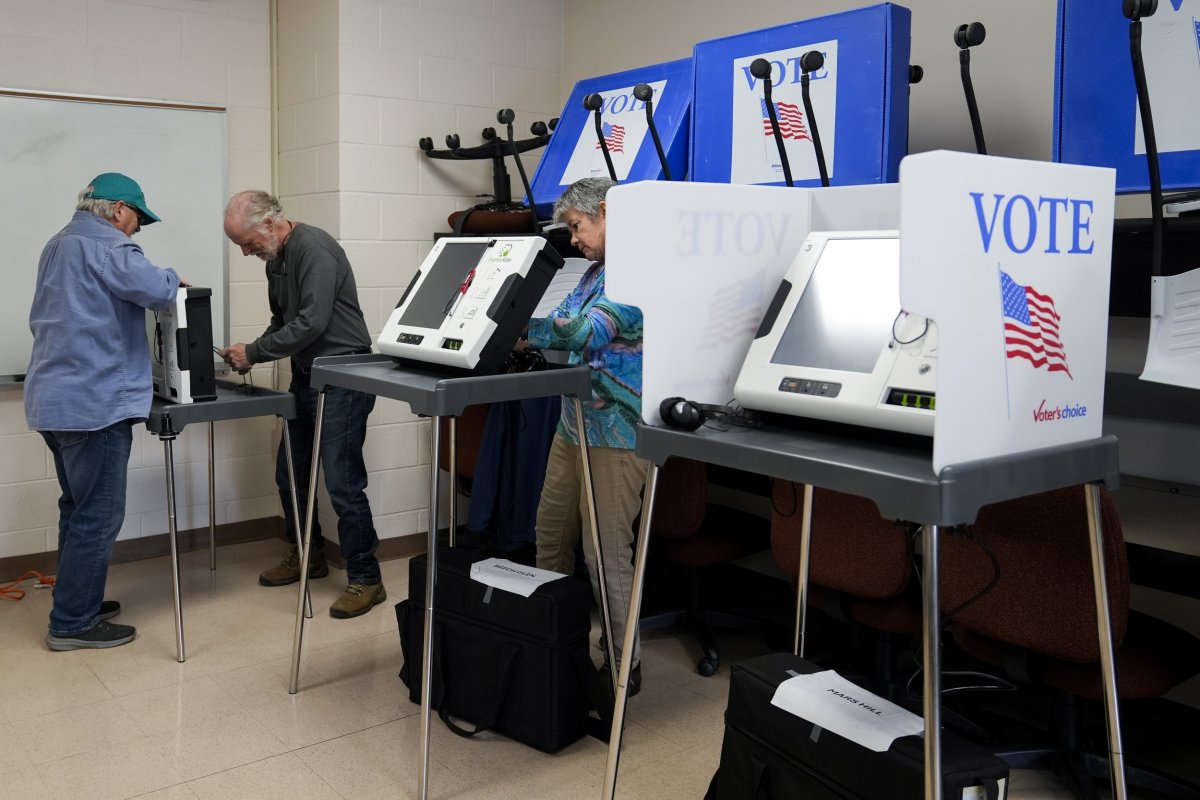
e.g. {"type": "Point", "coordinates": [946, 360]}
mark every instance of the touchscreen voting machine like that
{"type": "Point", "coordinates": [182, 344]}
{"type": "Point", "coordinates": [469, 301]}
{"type": "Point", "coordinates": [835, 344]}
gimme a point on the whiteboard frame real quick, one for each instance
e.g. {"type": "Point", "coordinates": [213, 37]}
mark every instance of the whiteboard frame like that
{"type": "Point", "coordinates": [10, 380]}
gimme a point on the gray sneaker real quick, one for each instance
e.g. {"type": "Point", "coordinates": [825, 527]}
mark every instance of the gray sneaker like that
{"type": "Point", "coordinates": [100, 635]}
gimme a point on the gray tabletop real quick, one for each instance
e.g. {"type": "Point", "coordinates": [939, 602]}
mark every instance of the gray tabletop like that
{"type": "Point", "coordinates": [232, 402]}
{"type": "Point", "coordinates": [442, 394]}
{"type": "Point", "coordinates": [899, 479]}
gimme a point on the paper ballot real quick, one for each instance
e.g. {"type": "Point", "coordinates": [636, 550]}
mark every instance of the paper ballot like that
{"type": "Point", "coordinates": [829, 701]}
{"type": "Point", "coordinates": [511, 577]}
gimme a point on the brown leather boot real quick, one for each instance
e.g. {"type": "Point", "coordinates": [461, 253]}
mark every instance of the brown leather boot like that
{"type": "Point", "coordinates": [288, 570]}
{"type": "Point", "coordinates": [358, 599]}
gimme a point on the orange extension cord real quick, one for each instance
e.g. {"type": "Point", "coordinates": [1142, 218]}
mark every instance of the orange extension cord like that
{"type": "Point", "coordinates": [12, 591]}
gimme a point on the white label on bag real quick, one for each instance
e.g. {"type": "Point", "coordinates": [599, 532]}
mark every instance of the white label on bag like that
{"type": "Point", "coordinates": [511, 577]}
{"type": "Point", "coordinates": [834, 703]}
{"type": "Point", "coordinates": [980, 793]}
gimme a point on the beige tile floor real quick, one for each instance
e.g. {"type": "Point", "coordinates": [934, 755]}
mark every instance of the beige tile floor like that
{"type": "Point", "coordinates": [132, 722]}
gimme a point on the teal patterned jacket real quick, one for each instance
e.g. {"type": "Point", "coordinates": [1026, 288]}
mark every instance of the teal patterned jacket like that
{"type": "Point", "coordinates": [606, 336]}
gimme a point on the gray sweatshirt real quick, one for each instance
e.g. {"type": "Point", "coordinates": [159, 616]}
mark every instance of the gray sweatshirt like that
{"type": "Point", "coordinates": [314, 302]}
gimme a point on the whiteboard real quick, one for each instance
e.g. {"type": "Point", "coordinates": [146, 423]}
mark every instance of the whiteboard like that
{"type": "Point", "coordinates": [52, 145]}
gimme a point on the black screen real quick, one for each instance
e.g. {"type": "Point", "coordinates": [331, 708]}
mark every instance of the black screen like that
{"type": "Point", "coordinates": [844, 318]}
{"type": "Point", "coordinates": [427, 308]}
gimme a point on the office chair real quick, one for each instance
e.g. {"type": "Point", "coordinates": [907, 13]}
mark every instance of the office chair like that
{"type": "Point", "coordinates": [860, 567]}
{"type": "Point", "coordinates": [1038, 622]}
{"type": "Point", "coordinates": [690, 532]}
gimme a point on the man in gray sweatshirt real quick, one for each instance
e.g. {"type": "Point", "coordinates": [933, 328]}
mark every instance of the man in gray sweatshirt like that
{"type": "Point", "coordinates": [314, 312]}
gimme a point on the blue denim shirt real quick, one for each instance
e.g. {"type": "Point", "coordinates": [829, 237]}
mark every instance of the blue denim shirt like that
{"type": "Point", "coordinates": [90, 365]}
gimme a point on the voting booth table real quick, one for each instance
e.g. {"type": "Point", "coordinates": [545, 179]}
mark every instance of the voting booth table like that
{"type": "Point", "coordinates": [167, 421]}
{"type": "Point", "coordinates": [1008, 260]}
{"type": "Point", "coordinates": [444, 348]}
{"type": "Point", "coordinates": [436, 395]}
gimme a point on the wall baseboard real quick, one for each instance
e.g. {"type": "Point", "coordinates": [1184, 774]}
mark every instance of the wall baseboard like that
{"type": "Point", "coordinates": [252, 530]}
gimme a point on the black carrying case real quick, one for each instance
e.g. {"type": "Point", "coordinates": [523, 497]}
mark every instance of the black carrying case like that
{"type": "Point", "coordinates": [771, 754]}
{"type": "Point", "coordinates": [516, 665]}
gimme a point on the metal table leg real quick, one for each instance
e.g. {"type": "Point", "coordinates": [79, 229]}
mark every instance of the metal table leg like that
{"type": "Point", "coordinates": [427, 642]}
{"type": "Point", "coordinates": [212, 501]}
{"type": "Point", "coordinates": [802, 572]}
{"type": "Point", "coordinates": [589, 494]}
{"type": "Point", "coordinates": [453, 466]}
{"type": "Point", "coordinates": [172, 534]}
{"type": "Point", "coordinates": [635, 610]}
{"type": "Point", "coordinates": [1108, 665]}
{"type": "Point", "coordinates": [296, 529]}
{"type": "Point", "coordinates": [931, 647]}
{"type": "Point", "coordinates": [305, 551]}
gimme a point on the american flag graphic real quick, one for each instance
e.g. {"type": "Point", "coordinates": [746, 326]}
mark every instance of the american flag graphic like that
{"type": "Point", "coordinates": [791, 120]}
{"type": "Point", "coordinates": [1031, 326]}
{"type": "Point", "coordinates": [614, 137]}
{"type": "Point", "coordinates": [735, 309]}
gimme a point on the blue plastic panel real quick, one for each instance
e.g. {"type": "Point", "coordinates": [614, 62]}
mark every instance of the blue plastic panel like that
{"type": "Point", "coordinates": [1096, 118]}
{"type": "Point", "coordinates": [574, 153]}
{"type": "Point", "coordinates": [860, 100]}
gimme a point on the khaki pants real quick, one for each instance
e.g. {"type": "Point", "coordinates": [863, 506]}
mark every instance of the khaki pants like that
{"type": "Point", "coordinates": [618, 476]}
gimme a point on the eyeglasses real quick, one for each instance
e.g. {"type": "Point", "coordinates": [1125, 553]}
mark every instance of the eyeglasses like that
{"type": "Point", "coordinates": [141, 218]}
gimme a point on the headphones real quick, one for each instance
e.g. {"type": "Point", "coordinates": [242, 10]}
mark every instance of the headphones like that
{"type": "Point", "coordinates": [528, 360]}
{"type": "Point", "coordinates": [678, 412]}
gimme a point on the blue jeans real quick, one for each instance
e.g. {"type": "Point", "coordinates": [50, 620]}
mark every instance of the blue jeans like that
{"type": "Point", "coordinates": [93, 470]}
{"type": "Point", "coordinates": [342, 434]}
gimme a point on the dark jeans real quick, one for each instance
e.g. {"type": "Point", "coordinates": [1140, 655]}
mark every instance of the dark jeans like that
{"type": "Point", "coordinates": [342, 435]}
{"type": "Point", "coordinates": [93, 470]}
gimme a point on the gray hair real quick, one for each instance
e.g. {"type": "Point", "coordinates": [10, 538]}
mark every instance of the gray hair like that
{"type": "Point", "coordinates": [105, 209]}
{"type": "Point", "coordinates": [584, 196]}
{"type": "Point", "coordinates": [255, 207]}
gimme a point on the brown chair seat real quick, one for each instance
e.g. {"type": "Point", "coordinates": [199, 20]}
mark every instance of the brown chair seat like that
{"type": "Point", "coordinates": [860, 564]}
{"type": "Point", "coordinates": [1038, 621]}
{"type": "Point", "coordinates": [1154, 658]}
{"type": "Point", "coordinates": [692, 533]}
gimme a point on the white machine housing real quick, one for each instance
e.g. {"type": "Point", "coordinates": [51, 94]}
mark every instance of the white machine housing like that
{"type": "Point", "coordinates": [835, 345]}
{"type": "Point", "coordinates": [469, 302]}
{"type": "Point", "coordinates": [182, 348]}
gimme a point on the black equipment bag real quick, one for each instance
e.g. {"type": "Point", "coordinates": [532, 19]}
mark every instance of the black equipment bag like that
{"type": "Point", "coordinates": [771, 754]}
{"type": "Point", "coordinates": [516, 665]}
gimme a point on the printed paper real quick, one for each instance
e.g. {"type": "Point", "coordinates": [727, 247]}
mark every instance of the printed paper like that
{"type": "Point", "coordinates": [828, 700]}
{"type": "Point", "coordinates": [511, 577]}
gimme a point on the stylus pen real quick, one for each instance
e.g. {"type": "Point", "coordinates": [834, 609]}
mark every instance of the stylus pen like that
{"type": "Point", "coordinates": [457, 297]}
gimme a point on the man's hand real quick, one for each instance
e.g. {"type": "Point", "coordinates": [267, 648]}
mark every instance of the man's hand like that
{"type": "Point", "coordinates": [235, 356]}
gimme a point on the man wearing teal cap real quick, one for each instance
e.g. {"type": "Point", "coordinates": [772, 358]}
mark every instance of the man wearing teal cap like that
{"type": "Point", "coordinates": [87, 385]}
{"type": "Point", "coordinates": [117, 187]}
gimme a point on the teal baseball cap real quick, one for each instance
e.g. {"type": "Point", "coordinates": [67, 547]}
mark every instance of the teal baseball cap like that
{"type": "Point", "coordinates": [115, 186]}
